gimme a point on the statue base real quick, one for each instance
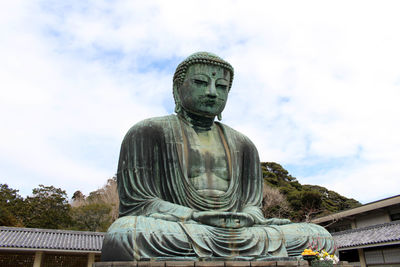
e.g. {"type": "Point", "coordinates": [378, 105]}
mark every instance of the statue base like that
{"type": "Point", "coordinates": [282, 262]}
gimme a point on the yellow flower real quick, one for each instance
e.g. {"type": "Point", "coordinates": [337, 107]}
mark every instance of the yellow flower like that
{"type": "Point", "coordinates": [309, 252]}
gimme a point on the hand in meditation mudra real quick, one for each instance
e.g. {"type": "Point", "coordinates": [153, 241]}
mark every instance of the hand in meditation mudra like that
{"type": "Point", "coordinates": [190, 187]}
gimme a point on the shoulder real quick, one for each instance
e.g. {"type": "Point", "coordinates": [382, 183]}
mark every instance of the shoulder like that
{"type": "Point", "coordinates": [150, 127]}
{"type": "Point", "coordinates": [153, 122]}
{"type": "Point", "coordinates": [232, 133]}
{"type": "Point", "coordinates": [240, 141]}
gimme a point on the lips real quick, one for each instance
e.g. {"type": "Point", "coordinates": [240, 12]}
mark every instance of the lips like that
{"type": "Point", "coordinates": [210, 102]}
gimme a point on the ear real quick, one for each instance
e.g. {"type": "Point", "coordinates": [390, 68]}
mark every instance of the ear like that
{"type": "Point", "coordinates": [177, 108]}
{"type": "Point", "coordinates": [177, 99]}
{"type": "Point", "coordinates": [219, 116]}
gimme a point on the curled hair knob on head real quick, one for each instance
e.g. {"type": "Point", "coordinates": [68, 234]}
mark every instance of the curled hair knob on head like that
{"type": "Point", "coordinates": [200, 57]}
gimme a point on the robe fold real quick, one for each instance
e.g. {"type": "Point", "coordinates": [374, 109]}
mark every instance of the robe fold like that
{"type": "Point", "coordinates": [157, 201]}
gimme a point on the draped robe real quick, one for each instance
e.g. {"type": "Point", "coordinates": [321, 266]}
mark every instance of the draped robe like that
{"type": "Point", "coordinates": [157, 201]}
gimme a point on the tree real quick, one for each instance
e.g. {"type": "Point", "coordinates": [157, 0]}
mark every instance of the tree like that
{"type": "Point", "coordinates": [275, 172]}
{"type": "Point", "coordinates": [274, 204]}
{"type": "Point", "coordinates": [97, 211]}
{"type": "Point", "coordinates": [78, 195]}
{"type": "Point", "coordinates": [311, 202]}
{"type": "Point", "coordinates": [107, 194]}
{"type": "Point", "coordinates": [311, 199]}
{"type": "Point", "coordinates": [331, 201]}
{"type": "Point", "coordinates": [10, 206]}
{"type": "Point", "coordinates": [305, 201]}
{"type": "Point", "coordinates": [78, 199]}
{"type": "Point", "coordinates": [47, 208]}
{"type": "Point", "coordinates": [91, 217]}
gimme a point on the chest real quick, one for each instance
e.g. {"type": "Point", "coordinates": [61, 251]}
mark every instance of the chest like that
{"type": "Point", "coordinates": [206, 154]}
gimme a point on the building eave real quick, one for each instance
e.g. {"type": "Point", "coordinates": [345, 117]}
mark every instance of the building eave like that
{"type": "Point", "coordinates": [362, 209]}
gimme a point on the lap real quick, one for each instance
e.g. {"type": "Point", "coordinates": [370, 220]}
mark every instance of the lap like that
{"type": "Point", "coordinates": [138, 237]}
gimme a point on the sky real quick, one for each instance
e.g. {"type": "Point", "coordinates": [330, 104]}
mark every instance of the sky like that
{"type": "Point", "coordinates": [316, 88]}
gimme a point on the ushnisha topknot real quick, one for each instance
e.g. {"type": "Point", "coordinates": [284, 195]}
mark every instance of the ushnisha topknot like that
{"type": "Point", "coordinates": [200, 58]}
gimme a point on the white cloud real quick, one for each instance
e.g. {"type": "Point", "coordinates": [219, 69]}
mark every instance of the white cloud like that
{"type": "Point", "coordinates": [315, 82]}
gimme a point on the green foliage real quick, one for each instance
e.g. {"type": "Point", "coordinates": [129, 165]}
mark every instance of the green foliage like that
{"type": "Point", "coordinates": [311, 199]}
{"type": "Point", "coordinates": [91, 217]}
{"type": "Point", "coordinates": [305, 201]}
{"type": "Point", "coordinates": [11, 205]}
{"type": "Point", "coordinates": [277, 172]}
{"type": "Point", "coordinates": [97, 211]}
{"type": "Point", "coordinates": [295, 199]}
{"type": "Point", "coordinates": [332, 201]}
{"type": "Point", "coordinates": [47, 208]}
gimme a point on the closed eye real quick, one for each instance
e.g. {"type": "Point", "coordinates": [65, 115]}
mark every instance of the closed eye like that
{"type": "Point", "coordinates": [221, 86]}
{"type": "Point", "coordinates": [200, 82]}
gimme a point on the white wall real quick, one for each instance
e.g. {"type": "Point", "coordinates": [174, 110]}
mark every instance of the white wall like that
{"type": "Point", "coordinates": [372, 218]}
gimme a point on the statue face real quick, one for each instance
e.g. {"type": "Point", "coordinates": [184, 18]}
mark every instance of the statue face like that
{"type": "Point", "coordinates": [205, 89]}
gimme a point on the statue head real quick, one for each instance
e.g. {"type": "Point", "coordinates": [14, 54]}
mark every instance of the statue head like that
{"type": "Point", "coordinates": [201, 84]}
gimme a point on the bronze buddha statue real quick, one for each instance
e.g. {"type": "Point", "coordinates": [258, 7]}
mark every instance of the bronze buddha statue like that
{"type": "Point", "coordinates": [191, 187]}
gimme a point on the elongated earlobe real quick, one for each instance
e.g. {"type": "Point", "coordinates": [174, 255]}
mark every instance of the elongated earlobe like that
{"type": "Point", "coordinates": [177, 108]}
{"type": "Point", "coordinates": [219, 117]}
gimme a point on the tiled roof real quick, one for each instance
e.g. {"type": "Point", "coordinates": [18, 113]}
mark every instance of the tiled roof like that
{"type": "Point", "coordinates": [33, 238]}
{"type": "Point", "coordinates": [381, 233]}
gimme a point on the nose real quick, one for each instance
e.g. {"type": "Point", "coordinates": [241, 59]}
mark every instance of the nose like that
{"type": "Point", "coordinates": [212, 91]}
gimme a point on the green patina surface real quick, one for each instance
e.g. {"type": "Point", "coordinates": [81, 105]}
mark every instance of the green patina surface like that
{"type": "Point", "coordinates": [191, 187]}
